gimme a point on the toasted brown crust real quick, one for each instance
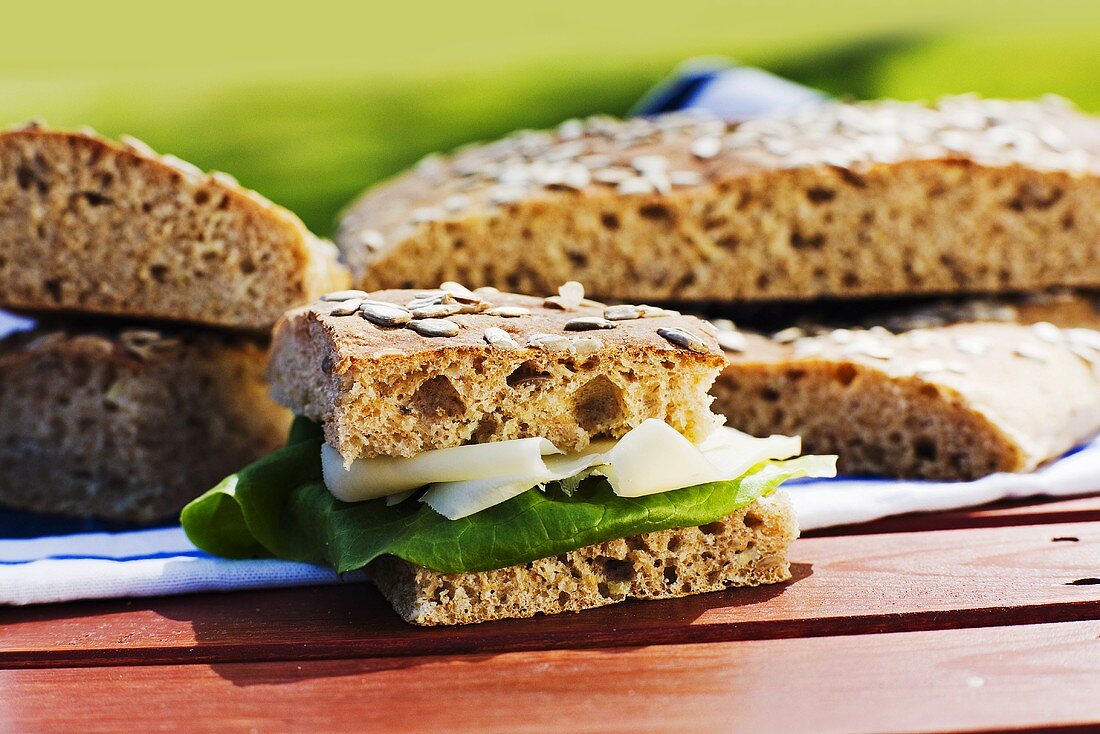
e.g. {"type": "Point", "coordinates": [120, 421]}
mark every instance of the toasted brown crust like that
{"type": "Point", "coordinates": [870, 199]}
{"type": "Point", "coordinates": [128, 425]}
{"type": "Point", "coordinates": [954, 403]}
{"type": "Point", "coordinates": [747, 548]}
{"type": "Point", "coordinates": [393, 392]}
{"type": "Point", "coordinates": [90, 225]}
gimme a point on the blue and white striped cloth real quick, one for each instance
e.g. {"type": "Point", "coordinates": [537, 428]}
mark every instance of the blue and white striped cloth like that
{"type": "Point", "coordinates": [46, 560]}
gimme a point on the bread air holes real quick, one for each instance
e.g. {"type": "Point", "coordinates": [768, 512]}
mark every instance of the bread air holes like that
{"type": "Point", "coordinates": [25, 177]}
{"type": "Point", "coordinates": [845, 374]}
{"type": "Point", "coordinates": [924, 448]}
{"type": "Point", "coordinates": [615, 569]}
{"type": "Point", "coordinates": [437, 398]}
{"type": "Point", "coordinates": [1035, 195]}
{"type": "Point", "coordinates": [714, 528]}
{"type": "Point", "coordinates": [802, 241]}
{"type": "Point", "coordinates": [656, 213]}
{"type": "Point", "coordinates": [528, 374]}
{"type": "Point", "coordinates": [598, 405]}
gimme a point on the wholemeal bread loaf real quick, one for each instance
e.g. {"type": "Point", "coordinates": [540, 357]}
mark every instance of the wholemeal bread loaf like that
{"type": "Point", "coordinates": [945, 402]}
{"type": "Point", "coordinates": [128, 424]}
{"type": "Point", "coordinates": [93, 226]}
{"type": "Point", "coordinates": [841, 200]}
{"type": "Point", "coordinates": [747, 548]}
{"type": "Point", "coordinates": [499, 367]}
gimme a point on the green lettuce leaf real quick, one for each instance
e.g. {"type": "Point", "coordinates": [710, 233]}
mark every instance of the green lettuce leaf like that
{"type": "Point", "coordinates": [279, 507]}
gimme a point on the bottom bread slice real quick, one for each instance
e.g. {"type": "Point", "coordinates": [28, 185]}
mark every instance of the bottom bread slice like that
{"type": "Point", "coordinates": [746, 548]}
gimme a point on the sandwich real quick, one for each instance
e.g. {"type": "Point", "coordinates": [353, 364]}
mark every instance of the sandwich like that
{"type": "Point", "coordinates": [838, 200]}
{"type": "Point", "coordinates": [485, 455]}
{"type": "Point", "coordinates": [154, 287]}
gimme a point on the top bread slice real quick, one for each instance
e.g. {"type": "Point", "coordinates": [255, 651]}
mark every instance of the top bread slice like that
{"type": "Point", "coordinates": [89, 225]}
{"type": "Point", "coordinates": [840, 200]}
{"type": "Point", "coordinates": [515, 368]}
{"type": "Point", "coordinates": [952, 402]}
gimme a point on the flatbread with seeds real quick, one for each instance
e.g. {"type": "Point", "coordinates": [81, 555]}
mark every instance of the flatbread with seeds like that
{"type": "Point", "coordinates": [947, 402]}
{"type": "Point", "coordinates": [868, 199]}
{"type": "Point", "coordinates": [90, 225]}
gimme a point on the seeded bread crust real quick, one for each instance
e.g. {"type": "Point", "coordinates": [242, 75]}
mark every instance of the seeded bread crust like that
{"type": "Point", "coordinates": [90, 225]}
{"type": "Point", "coordinates": [951, 403]}
{"type": "Point", "coordinates": [870, 199]}
{"type": "Point", "coordinates": [746, 548]}
{"type": "Point", "coordinates": [128, 425]}
{"type": "Point", "coordinates": [393, 392]}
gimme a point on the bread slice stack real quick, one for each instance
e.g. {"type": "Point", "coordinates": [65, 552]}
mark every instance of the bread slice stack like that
{"type": "Point", "coordinates": [824, 206]}
{"type": "Point", "coordinates": [155, 286]}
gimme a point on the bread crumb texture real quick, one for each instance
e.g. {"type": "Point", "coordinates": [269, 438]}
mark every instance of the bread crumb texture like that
{"type": "Point", "coordinates": [391, 391]}
{"type": "Point", "coordinates": [747, 548]}
{"type": "Point", "coordinates": [867, 199]}
{"type": "Point", "coordinates": [128, 425]}
{"type": "Point", "coordinates": [947, 402]}
{"type": "Point", "coordinates": [87, 224]}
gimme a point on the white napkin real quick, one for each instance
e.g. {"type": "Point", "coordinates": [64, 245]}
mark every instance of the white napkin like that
{"type": "Point", "coordinates": [163, 561]}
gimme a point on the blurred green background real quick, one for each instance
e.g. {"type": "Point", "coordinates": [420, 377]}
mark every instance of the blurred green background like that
{"type": "Point", "coordinates": [310, 103]}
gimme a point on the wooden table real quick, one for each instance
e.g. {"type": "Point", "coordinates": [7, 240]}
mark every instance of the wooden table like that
{"type": "Point", "coordinates": [980, 620]}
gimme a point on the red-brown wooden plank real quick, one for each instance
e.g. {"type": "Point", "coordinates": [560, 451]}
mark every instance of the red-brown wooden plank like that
{"type": "Point", "coordinates": [1032, 511]}
{"type": "Point", "coordinates": [843, 585]}
{"type": "Point", "coordinates": [1003, 677]}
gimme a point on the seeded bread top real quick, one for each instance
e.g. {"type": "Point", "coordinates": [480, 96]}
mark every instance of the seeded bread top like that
{"type": "Point", "coordinates": [399, 372]}
{"type": "Point", "coordinates": [90, 225]}
{"type": "Point", "coordinates": [382, 323]}
{"type": "Point", "coordinates": [674, 153]}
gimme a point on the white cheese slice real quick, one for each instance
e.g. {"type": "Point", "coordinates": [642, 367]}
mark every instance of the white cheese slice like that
{"type": "Point", "coordinates": [655, 457]}
{"type": "Point", "coordinates": [367, 479]}
{"type": "Point", "coordinates": [651, 458]}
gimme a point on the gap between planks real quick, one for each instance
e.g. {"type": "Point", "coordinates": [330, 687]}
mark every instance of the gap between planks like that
{"type": "Point", "coordinates": [976, 679]}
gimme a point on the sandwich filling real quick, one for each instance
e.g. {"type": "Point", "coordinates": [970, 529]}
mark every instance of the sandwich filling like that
{"type": "Point", "coordinates": [649, 459]}
{"type": "Point", "coordinates": [486, 506]}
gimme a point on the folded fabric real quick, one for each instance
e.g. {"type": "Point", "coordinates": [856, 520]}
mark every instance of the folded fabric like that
{"type": "Point", "coordinates": [162, 561]}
